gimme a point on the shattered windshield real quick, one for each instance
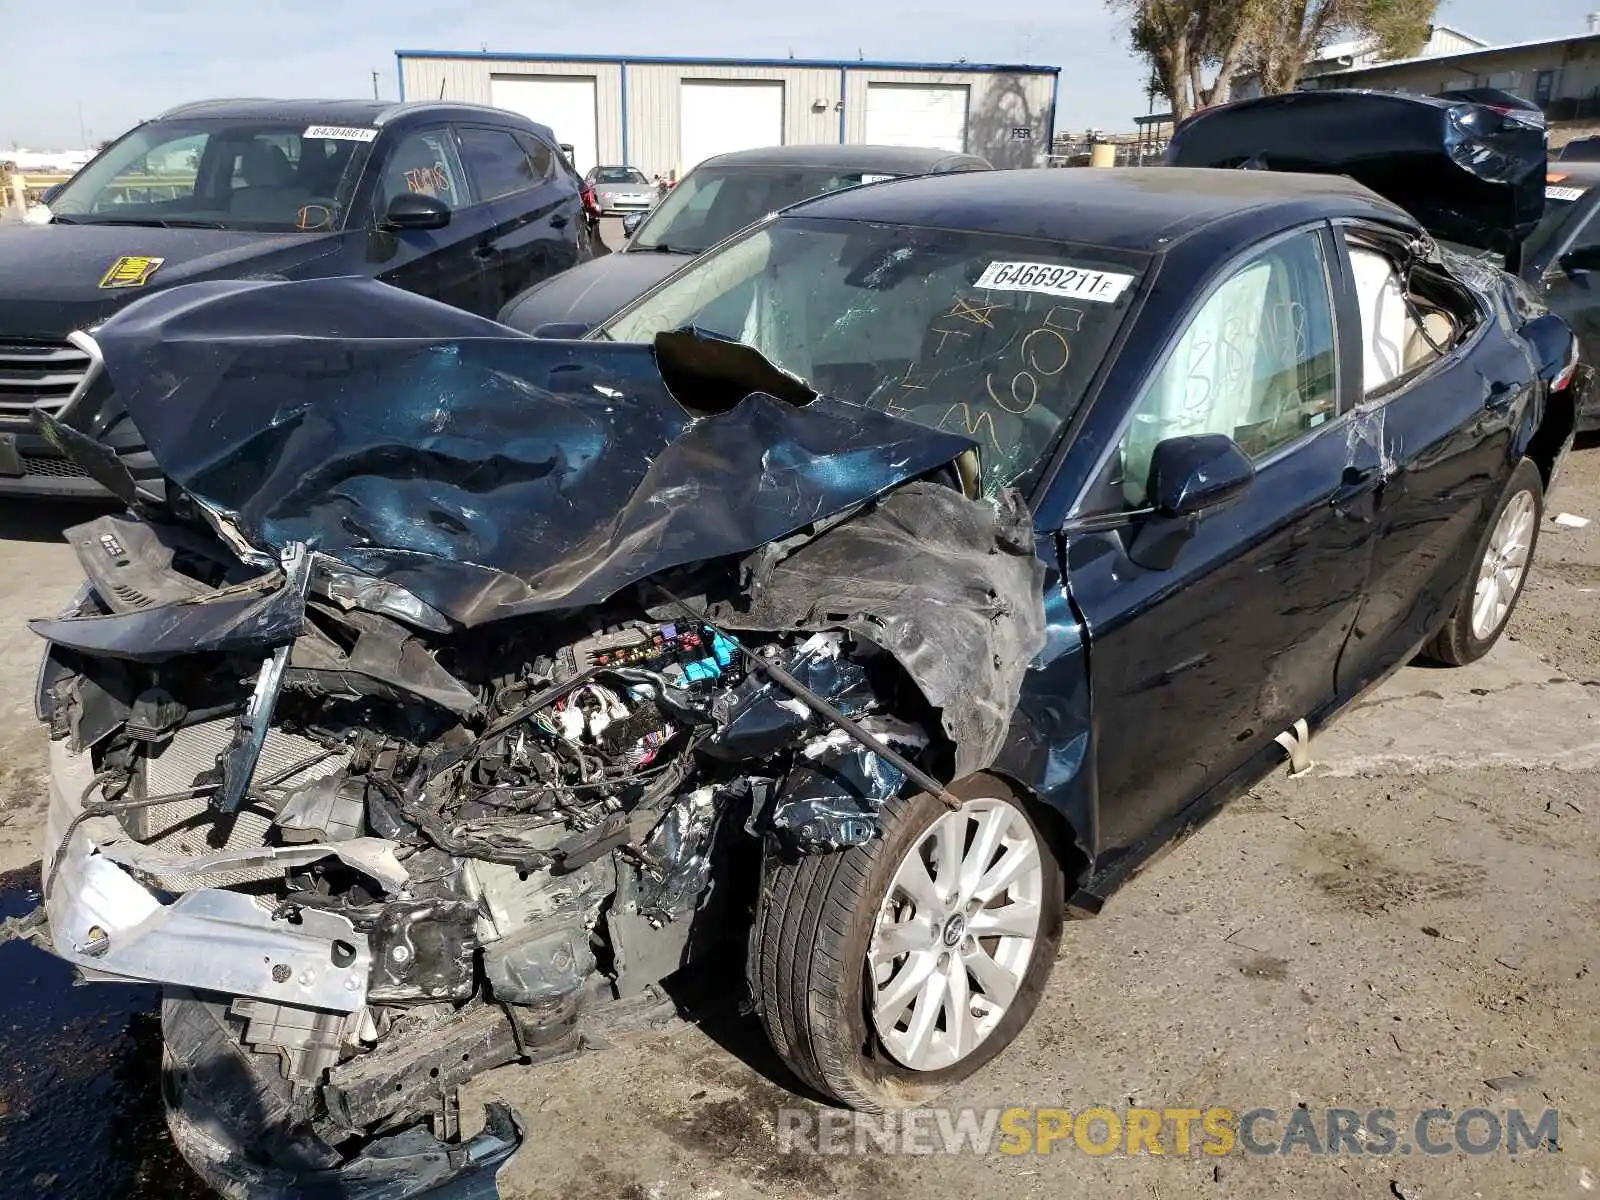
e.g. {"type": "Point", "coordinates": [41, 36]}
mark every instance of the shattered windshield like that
{"type": "Point", "coordinates": [995, 338]}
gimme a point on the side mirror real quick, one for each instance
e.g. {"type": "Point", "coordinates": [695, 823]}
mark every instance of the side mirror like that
{"type": "Point", "coordinates": [412, 210]}
{"type": "Point", "coordinates": [562, 331]}
{"type": "Point", "coordinates": [631, 223]}
{"type": "Point", "coordinates": [1581, 258]}
{"type": "Point", "coordinates": [1193, 475]}
{"type": "Point", "coordinates": [1189, 477]}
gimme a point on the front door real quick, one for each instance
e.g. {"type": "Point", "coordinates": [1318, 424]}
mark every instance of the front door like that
{"type": "Point", "coordinates": [445, 264]}
{"type": "Point", "coordinates": [1196, 667]}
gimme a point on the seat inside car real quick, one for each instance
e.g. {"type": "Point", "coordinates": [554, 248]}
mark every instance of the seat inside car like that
{"type": "Point", "coordinates": [270, 192]}
{"type": "Point", "coordinates": [1394, 342]}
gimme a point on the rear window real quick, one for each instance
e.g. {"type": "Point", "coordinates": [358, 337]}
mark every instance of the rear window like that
{"type": "Point", "coordinates": [1560, 194]}
{"type": "Point", "coordinates": [701, 211]}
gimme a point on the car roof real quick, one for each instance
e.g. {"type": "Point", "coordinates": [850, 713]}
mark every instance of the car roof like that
{"type": "Point", "coordinates": [1129, 208]}
{"type": "Point", "coordinates": [908, 160]}
{"type": "Point", "coordinates": [343, 112]}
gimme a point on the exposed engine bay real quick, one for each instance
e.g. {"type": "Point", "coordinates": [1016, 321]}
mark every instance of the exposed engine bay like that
{"type": "Point", "coordinates": [381, 814]}
{"type": "Point", "coordinates": [547, 849]}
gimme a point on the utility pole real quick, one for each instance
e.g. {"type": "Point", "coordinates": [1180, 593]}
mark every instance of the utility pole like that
{"type": "Point", "coordinates": [374, 85]}
{"type": "Point", "coordinates": [83, 134]}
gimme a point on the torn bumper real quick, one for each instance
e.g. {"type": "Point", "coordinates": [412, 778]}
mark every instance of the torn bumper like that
{"type": "Point", "coordinates": [104, 921]}
{"type": "Point", "coordinates": [407, 1166]}
{"type": "Point", "coordinates": [233, 1126]}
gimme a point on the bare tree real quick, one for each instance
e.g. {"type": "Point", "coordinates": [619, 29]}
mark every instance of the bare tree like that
{"type": "Point", "coordinates": [1287, 33]}
{"type": "Point", "coordinates": [1184, 39]}
{"type": "Point", "coordinates": [1181, 39]}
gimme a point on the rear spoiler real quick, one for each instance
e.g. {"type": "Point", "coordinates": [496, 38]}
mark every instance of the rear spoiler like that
{"type": "Point", "coordinates": [1467, 172]}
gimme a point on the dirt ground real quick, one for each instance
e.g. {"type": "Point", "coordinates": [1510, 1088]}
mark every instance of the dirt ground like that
{"type": "Point", "coordinates": [1414, 924]}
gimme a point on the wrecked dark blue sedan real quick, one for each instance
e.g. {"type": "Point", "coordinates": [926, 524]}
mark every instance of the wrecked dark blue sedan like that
{"type": "Point", "coordinates": [864, 598]}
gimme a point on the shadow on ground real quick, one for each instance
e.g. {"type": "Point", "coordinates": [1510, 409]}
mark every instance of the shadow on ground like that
{"type": "Point", "coordinates": [80, 1079]}
{"type": "Point", "coordinates": [43, 520]}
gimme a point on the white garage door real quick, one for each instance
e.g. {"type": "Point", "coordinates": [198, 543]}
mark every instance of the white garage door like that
{"type": "Point", "coordinates": [914, 114]}
{"type": "Point", "coordinates": [563, 102]}
{"type": "Point", "coordinates": [716, 117]}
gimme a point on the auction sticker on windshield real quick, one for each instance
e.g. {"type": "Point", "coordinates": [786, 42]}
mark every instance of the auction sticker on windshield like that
{"type": "Point", "coordinates": [1563, 193]}
{"type": "Point", "coordinates": [1054, 279]}
{"type": "Point", "coordinates": [341, 133]}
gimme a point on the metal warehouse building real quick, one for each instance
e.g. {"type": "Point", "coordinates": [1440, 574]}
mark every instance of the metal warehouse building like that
{"type": "Point", "coordinates": [663, 114]}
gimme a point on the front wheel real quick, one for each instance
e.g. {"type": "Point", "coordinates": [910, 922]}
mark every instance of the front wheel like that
{"type": "Point", "coordinates": [1504, 555]}
{"type": "Point", "coordinates": [889, 971]}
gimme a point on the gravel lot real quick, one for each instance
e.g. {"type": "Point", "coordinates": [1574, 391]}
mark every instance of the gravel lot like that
{"type": "Point", "coordinates": [1417, 917]}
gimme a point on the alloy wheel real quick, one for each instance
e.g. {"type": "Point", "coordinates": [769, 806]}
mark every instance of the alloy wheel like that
{"type": "Point", "coordinates": [955, 934]}
{"type": "Point", "coordinates": [1505, 559]}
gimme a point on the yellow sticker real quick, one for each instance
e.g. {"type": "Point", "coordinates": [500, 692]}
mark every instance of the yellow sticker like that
{"type": "Point", "coordinates": [131, 271]}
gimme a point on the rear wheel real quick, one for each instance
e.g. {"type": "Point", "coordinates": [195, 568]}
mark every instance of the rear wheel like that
{"type": "Point", "coordinates": [891, 970]}
{"type": "Point", "coordinates": [1504, 555]}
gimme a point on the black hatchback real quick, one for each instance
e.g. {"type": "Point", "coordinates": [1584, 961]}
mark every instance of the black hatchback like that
{"type": "Point", "coordinates": [465, 204]}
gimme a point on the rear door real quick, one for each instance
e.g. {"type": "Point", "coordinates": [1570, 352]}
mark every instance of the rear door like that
{"type": "Point", "coordinates": [1195, 668]}
{"type": "Point", "coordinates": [536, 207]}
{"type": "Point", "coordinates": [1436, 429]}
{"type": "Point", "coordinates": [444, 264]}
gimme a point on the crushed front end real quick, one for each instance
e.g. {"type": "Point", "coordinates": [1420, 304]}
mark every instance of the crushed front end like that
{"type": "Point", "coordinates": [403, 744]}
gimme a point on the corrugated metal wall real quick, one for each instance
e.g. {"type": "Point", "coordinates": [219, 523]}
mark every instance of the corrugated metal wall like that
{"type": "Point", "coordinates": [997, 103]}
{"type": "Point", "coordinates": [653, 107]}
{"type": "Point", "coordinates": [470, 80]}
{"type": "Point", "coordinates": [1000, 102]}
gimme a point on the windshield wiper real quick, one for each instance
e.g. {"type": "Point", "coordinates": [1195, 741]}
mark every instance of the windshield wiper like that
{"type": "Point", "coordinates": [144, 222]}
{"type": "Point", "coordinates": [662, 248]}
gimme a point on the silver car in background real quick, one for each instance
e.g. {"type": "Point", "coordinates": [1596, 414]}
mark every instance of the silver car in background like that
{"type": "Point", "coordinates": [621, 189]}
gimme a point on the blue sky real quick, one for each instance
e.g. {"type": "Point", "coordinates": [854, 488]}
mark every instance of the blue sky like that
{"type": "Point", "coordinates": [63, 59]}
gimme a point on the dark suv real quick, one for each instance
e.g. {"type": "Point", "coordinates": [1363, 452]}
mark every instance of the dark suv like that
{"type": "Point", "coordinates": [464, 204]}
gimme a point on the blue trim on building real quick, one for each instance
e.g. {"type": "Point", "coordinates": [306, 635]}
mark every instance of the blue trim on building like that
{"type": "Point", "coordinates": [400, 77]}
{"type": "Point", "coordinates": [622, 70]}
{"type": "Point", "coordinates": [842, 64]}
{"type": "Point", "coordinates": [844, 83]}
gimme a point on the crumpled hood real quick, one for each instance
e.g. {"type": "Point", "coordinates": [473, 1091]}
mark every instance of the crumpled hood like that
{"type": "Point", "coordinates": [489, 474]}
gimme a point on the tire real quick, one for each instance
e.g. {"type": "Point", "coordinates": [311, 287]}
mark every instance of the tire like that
{"type": "Point", "coordinates": [817, 920]}
{"type": "Point", "coordinates": [1479, 617]}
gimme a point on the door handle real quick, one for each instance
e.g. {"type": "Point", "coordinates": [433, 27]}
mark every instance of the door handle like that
{"type": "Point", "coordinates": [558, 222]}
{"type": "Point", "coordinates": [484, 251]}
{"type": "Point", "coordinates": [1500, 397]}
{"type": "Point", "coordinates": [1356, 495]}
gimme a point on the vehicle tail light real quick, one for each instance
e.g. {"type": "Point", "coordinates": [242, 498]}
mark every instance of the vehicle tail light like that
{"type": "Point", "coordinates": [591, 204]}
{"type": "Point", "coordinates": [1568, 371]}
